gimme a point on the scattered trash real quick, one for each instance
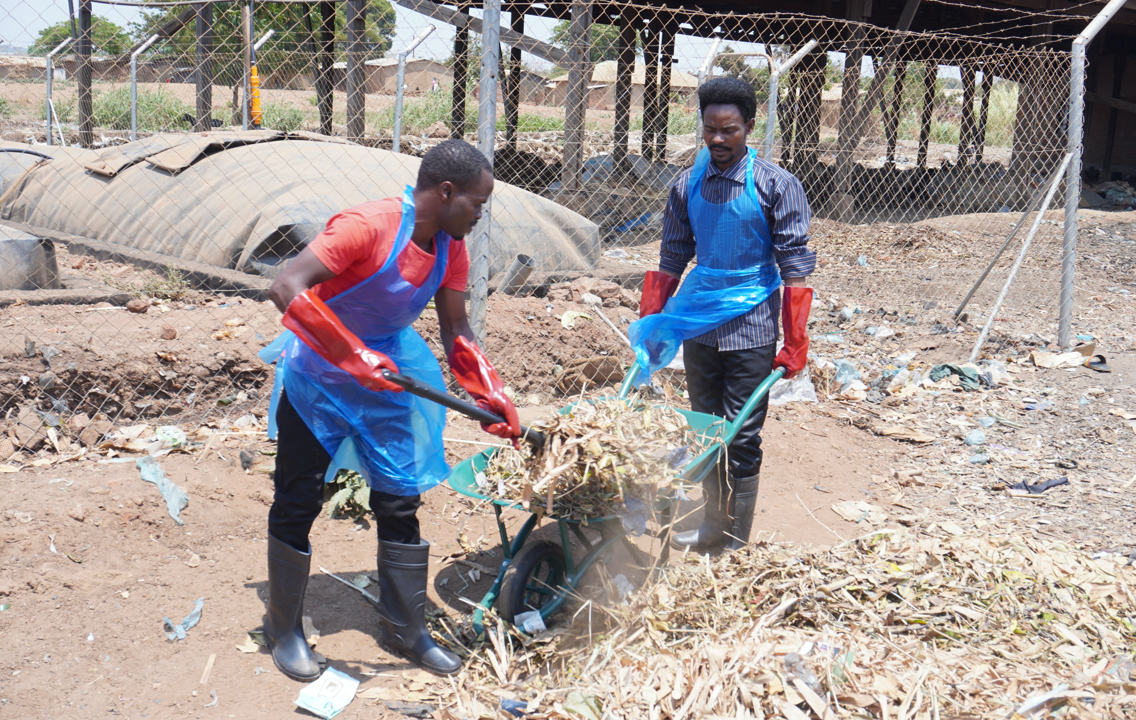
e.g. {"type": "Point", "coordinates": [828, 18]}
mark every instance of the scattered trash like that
{"type": "Point", "coordinates": [977, 437]}
{"type": "Point", "coordinates": [213, 703]}
{"type": "Point", "coordinates": [258, 671]}
{"type": "Point", "coordinates": [176, 498]}
{"type": "Point", "coordinates": [517, 708]}
{"type": "Point", "coordinates": [583, 704]}
{"type": "Point", "coordinates": [900, 432]}
{"type": "Point", "coordinates": [5, 606]}
{"type": "Point", "coordinates": [250, 644]}
{"type": "Point", "coordinates": [329, 695]}
{"type": "Point", "coordinates": [414, 710]}
{"type": "Point", "coordinates": [178, 631]}
{"type": "Point", "coordinates": [531, 622]}
{"type": "Point", "coordinates": [979, 459]}
{"type": "Point", "coordinates": [967, 375]}
{"type": "Point", "coordinates": [623, 586]}
{"type": "Point", "coordinates": [795, 666]}
{"type": "Point", "coordinates": [361, 581]}
{"type": "Point", "coordinates": [568, 319]}
{"type": "Point", "coordinates": [798, 389]}
{"type": "Point", "coordinates": [986, 422]}
{"type": "Point", "coordinates": [1041, 486]}
{"type": "Point", "coordinates": [860, 511]}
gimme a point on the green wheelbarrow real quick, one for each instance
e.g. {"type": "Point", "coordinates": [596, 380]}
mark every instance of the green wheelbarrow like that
{"type": "Point", "coordinates": [543, 575]}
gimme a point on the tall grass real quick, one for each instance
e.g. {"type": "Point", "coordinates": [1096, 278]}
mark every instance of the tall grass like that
{"type": "Point", "coordinates": [157, 110]}
{"type": "Point", "coordinates": [999, 123]}
{"type": "Point", "coordinates": [6, 108]}
{"type": "Point", "coordinates": [284, 118]}
{"type": "Point", "coordinates": [420, 113]}
{"type": "Point", "coordinates": [680, 121]}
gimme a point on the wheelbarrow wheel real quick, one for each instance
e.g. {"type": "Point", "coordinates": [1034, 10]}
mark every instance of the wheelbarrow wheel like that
{"type": "Point", "coordinates": [533, 579]}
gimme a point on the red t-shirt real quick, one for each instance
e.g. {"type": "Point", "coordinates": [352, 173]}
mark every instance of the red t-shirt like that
{"type": "Point", "coordinates": [358, 241]}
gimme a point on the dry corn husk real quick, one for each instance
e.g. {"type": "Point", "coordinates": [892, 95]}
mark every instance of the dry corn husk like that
{"type": "Point", "coordinates": [595, 459]}
{"type": "Point", "coordinates": [892, 625]}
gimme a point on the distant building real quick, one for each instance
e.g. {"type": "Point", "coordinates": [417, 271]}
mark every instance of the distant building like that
{"type": "Point", "coordinates": [382, 75]}
{"type": "Point", "coordinates": [601, 89]}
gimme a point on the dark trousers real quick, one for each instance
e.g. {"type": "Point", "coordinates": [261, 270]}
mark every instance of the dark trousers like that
{"type": "Point", "coordinates": [301, 463]}
{"type": "Point", "coordinates": [719, 383]}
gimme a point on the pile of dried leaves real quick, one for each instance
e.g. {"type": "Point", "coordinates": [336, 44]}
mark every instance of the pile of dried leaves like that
{"type": "Point", "coordinates": [892, 625]}
{"type": "Point", "coordinates": [600, 458]}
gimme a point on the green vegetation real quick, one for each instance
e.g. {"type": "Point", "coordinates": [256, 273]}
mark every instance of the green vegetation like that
{"type": "Point", "coordinates": [530, 122]}
{"type": "Point", "coordinates": [108, 38]}
{"type": "Point", "coordinates": [284, 118]}
{"type": "Point", "coordinates": [158, 110]}
{"type": "Point", "coordinates": [680, 121]}
{"type": "Point", "coordinates": [280, 54]}
{"type": "Point", "coordinates": [171, 287]}
{"type": "Point", "coordinates": [420, 113]}
{"type": "Point", "coordinates": [6, 108]}
{"type": "Point", "coordinates": [348, 495]}
{"type": "Point", "coordinates": [1000, 119]}
{"type": "Point", "coordinates": [605, 40]}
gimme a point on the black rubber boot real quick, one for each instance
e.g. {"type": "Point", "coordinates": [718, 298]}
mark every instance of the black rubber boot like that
{"type": "Point", "coordinates": [284, 629]}
{"type": "Point", "coordinates": [711, 534]}
{"type": "Point", "coordinates": [743, 504]}
{"type": "Point", "coordinates": [402, 587]}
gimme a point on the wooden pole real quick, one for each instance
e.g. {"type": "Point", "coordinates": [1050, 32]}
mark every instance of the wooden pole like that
{"type": "Point", "coordinates": [987, 89]}
{"type": "Point", "coordinates": [930, 77]}
{"type": "Point", "coordinates": [812, 69]}
{"type": "Point", "coordinates": [843, 200]}
{"type": "Point", "coordinates": [663, 101]}
{"type": "Point", "coordinates": [891, 121]}
{"type": "Point", "coordinates": [83, 76]}
{"type": "Point", "coordinates": [513, 79]}
{"type": "Point", "coordinates": [246, 45]}
{"type": "Point", "coordinates": [624, 67]}
{"type": "Point", "coordinates": [356, 71]}
{"type": "Point", "coordinates": [203, 27]}
{"type": "Point", "coordinates": [461, 77]}
{"type": "Point", "coordinates": [966, 124]}
{"type": "Point", "coordinates": [324, 58]}
{"type": "Point", "coordinates": [650, 92]}
{"type": "Point", "coordinates": [576, 104]}
{"type": "Point", "coordinates": [1118, 67]}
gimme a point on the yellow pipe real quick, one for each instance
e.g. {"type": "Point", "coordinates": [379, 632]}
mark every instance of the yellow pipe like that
{"type": "Point", "coordinates": [254, 85]}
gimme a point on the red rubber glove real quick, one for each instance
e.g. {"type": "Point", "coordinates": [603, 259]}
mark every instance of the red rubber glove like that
{"type": "Point", "coordinates": [795, 305]}
{"type": "Point", "coordinates": [317, 325]}
{"type": "Point", "coordinates": [657, 289]}
{"type": "Point", "coordinates": [474, 373]}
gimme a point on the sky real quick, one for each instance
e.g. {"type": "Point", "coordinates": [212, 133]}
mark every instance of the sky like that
{"type": "Point", "coordinates": [22, 20]}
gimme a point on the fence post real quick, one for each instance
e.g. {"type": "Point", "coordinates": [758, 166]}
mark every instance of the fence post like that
{"type": "Point", "coordinates": [486, 135]}
{"type": "Point", "coordinates": [134, 85]}
{"type": "Point", "coordinates": [461, 77]}
{"type": "Point", "coordinates": [576, 103]}
{"type": "Point", "coordinates": [650, 91]}
{"type": "Point", "coordinates": [203, 29]}
{"type": "Point", "coordinates": [1073, 174]}
{"type": "Point", "coordinates": [356, 71]}
{"type": "Point", "coordinates": [325, 57]}
{"type": "Point", "coordinates": [513, 80]}
{"type": "Point", "coordinates": [246, 47]}
{"type": "Point", "coordinates": [624, 67]}
{"type": "Point", "coordinates": [51, 107]}
{"type": "Point", "coordinates": [399, 92]}
{"type": "Point", "coordinates": [83, 76]}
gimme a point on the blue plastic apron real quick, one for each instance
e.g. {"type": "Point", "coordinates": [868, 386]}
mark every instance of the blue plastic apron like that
{"type": "Point", "coordinates": [735, 273]}
{"type": "Point", "coordinates": [394, 440]}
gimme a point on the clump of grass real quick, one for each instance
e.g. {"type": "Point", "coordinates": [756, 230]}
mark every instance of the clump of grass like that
{"type": "Point", "coordinates": [284, 118]}
{"type": "Point", "coordinates": [6, 108]}
{"type": "Point", "coordinates": [420, 113]}
{"type": "Point", "coordinates": [531, 122]}
{"type": "Point", "coordinates": [172, 286]}
{"type": "Point", "coordinates": [158, 110]}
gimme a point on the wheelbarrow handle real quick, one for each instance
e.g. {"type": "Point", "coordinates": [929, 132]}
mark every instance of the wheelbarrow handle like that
{"type": "Point", "coordinates": [475, 412]}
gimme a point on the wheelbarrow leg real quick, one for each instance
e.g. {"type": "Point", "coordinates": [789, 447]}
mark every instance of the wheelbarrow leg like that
{"type": "Point", "coordinates": [666, 520]}
{"type": "Point", "coordinates": [509, 550]}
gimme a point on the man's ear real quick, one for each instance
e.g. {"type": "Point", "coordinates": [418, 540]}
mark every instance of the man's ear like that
{"type": "Point", "coordinates": [446, 190]}
{"type": "Point", "coordinates": [750, 125]}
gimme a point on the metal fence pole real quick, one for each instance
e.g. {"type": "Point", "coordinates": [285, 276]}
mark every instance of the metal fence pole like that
{"type": "Point", "coordinates": [134, 85]}
{"type": "Point", "coordinates": [246, 37]}
{"type": "Point", "coordinates": [1073, 176]}
{"type": "Point", "coordinates": [399, 92]}
{"type": "Point", "coordinates": [486, 134]}
{"type": "Point", "coordinates": [83, 76]}
{"type": "Point", "coordinates": [50, 73]}
{"type": "Point", "coordinates": [356, 70]}
{"type": "Point", "coordinates": [704, 70]}
{"type": "Point", "coordinates": [775, 73]}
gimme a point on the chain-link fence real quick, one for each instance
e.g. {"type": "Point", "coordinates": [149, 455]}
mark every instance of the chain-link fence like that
{"type": "Point", "coordinates": [135, 273]}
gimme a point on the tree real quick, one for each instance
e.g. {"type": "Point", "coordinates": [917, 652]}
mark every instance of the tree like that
{"type": "Point", "coordinates": [107, 37]}
{"type": "Point", "coordinates": [736, 66]}
{"type": "Point", "coordinates": [605, 40]}
{"type": "Point", "coordinates": [287, 48]}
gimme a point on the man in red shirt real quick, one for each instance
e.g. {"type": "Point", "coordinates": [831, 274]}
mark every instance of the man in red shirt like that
{"type": "Point", "coordinates": [349, 300]}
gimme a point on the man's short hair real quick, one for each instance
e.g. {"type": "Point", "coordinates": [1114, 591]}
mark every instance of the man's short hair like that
{"type": "Point", "coordinates": [729, 91]}
{"type": "Point", "coordinates": [454, 160]}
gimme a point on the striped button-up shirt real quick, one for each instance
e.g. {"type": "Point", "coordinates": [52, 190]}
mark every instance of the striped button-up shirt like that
{"type": "Point", "coordinates": [787, 213]}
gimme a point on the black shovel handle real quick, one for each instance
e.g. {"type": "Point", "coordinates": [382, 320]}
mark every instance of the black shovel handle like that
{"type": "Point", "coordinates": [475, 412]}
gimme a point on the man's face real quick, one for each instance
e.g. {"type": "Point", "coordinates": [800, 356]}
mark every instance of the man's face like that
{"type": "Point", "coordinates": [461, 207]}
{"type": "Point", "coordinates": [724, 132]}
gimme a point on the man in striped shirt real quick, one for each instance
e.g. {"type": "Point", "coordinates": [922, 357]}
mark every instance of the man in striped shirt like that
{"type": "Point", "coordinates": [724, 365]}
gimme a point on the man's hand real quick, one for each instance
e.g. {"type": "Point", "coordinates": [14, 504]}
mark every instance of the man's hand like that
{"type": "Point", "coordinates": [315, 323]}
{"type": "Point", "coordinates": [796, 301]}
{"type": "Point", "coordinates": [658, 286]}
{"type": "Point", "coordinates": [474, 373]}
